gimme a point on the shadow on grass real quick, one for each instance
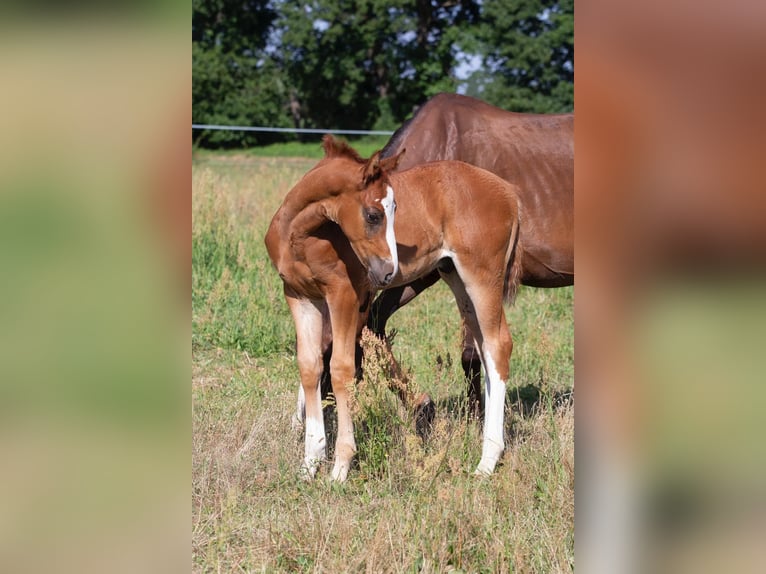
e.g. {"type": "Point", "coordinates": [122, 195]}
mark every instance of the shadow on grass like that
{"type": "Point", "coordinates": [527, 402]}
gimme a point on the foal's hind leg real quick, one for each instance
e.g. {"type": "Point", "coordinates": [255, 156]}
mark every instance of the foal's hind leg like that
{"type": "Point", "coordinates": [482, 309]}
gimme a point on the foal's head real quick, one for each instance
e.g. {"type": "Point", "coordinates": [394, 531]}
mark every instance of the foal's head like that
{"type": "Point", "coordinates": [364, 206]}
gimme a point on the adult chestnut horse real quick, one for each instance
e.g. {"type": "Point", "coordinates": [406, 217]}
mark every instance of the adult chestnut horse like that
{"type": "Point", "coordinates": [441, 226]}
{"type": "Point", "coordinates": [533, 151]}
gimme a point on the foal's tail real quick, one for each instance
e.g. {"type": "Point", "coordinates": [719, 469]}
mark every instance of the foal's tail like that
{"type": "Point", "coordinates": [513, 269]}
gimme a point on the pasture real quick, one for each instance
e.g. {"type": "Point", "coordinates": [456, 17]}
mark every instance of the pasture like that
{"type": "Point", "coordinates": [408, 505]}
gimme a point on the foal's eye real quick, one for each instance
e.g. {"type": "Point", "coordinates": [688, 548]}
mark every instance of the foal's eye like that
{"type": "Point", "coordinates": [373, 217]}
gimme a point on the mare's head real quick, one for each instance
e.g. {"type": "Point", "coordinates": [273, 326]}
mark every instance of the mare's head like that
{"type": "Point", "coordinates": [363, 205]}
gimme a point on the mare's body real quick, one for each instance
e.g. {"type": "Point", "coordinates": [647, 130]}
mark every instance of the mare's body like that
{"type": "Point", "coordinates": [533, 151]}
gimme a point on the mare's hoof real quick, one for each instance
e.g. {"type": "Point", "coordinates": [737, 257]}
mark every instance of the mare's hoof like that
{"type": "Point", "coordinates": [425, 411]}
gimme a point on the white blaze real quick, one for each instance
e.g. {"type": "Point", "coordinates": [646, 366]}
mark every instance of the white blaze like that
{"type": "Point", "coordinates": [389, 207]}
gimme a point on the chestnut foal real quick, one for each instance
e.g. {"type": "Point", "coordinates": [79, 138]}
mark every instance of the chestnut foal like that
{"type": "Point", "coordinates": [455, 218]}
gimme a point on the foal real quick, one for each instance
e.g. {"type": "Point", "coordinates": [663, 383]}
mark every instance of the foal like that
{"type": "Point", "coordinates": [326, 287]}
{"type": "Point", "coordinates": [455, 218]}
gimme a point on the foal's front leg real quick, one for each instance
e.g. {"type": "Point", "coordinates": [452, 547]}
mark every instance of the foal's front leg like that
{"type": "Point", "coordinates": [307, 317]}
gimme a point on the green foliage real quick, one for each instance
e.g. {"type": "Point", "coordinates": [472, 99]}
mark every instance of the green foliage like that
{"type": "Point", "coordinates": [234, 26]}
{"type": "Point", "coordinates": [529, 55]}
{"type": "Point", "coordinates": [233, 84]}
{"type": "Point", "coordinates": [351, 61]}
{"type": "Point", "coordinates": [236, 296]}
{"type": "Point", "coordinates": [231, 89]}
{"type": "Point", "coordinates": [369, 63]}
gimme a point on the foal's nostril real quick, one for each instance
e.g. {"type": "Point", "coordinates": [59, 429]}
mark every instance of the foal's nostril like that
{"type": "Point", "coordinates": [381, 272]}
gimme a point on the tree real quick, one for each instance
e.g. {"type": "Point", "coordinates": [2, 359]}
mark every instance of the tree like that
{"type": "Point", "coordinates": [234, 80]}
{"type": "Point", "coordinates": [234, 26]}
{"type": "Point", "coordinates": [359, 63]}
{"type": "Point", "coordinates": [369, 63]}
{"type": "Point", "coordinates": [528, 48]}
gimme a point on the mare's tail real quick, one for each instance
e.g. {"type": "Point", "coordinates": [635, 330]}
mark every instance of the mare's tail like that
{"type": "Point", "coordinates": [513, 269]}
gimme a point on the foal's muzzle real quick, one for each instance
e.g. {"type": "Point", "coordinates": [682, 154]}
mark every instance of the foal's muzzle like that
{"type": "Point", "coordinates": [381, 271]}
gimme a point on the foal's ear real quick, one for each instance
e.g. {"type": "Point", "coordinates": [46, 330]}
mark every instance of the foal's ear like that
{"type": "Point", "coordinates": [390, 163]}
{"type": "Point", "coordinates": [377, 165]}
{"type": "Point", "coordinates": [372, 169]}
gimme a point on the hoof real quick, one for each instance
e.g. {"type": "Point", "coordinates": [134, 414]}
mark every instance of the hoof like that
{"type": "Point", "coordinates": [425, 411]}
{"type": "Point", "coordinates": [306, 474]}
{"type": "Point", "coordinates": [339, 472]}
{"type": "Point", "coordinates": [483, 471]}
{"type": "Point", "coordinates": [309, 468]}
{"type": "Point", "coordinates": [486, 466]}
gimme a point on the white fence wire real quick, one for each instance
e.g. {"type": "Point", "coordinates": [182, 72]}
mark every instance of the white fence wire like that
{"type": "Point", "coordinates": [291, 130]}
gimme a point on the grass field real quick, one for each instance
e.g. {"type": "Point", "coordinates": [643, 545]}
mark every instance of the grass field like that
{"type": "Point", "coordinates": [311, 148]}
{"type": "Point", "coordinates": [408, 506]}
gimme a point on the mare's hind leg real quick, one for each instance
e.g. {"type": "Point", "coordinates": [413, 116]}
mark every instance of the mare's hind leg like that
{"type": "Point", "coordinates": [307, 316]}
{"type": "Point", "coordinates": [482, 310]}
{"type": "Point", "coordinates": [471, 362]}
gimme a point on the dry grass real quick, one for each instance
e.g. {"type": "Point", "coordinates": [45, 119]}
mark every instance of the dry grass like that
{"type": "Point", "coordinates": [409, 505]}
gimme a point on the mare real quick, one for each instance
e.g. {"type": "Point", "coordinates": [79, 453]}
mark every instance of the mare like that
{"type": "Point", "coordinates": [338, 237]}
{"type": "Point", "coordinates": [533, 151]}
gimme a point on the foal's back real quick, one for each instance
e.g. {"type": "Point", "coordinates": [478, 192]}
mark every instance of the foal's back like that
{"type": "Point", "coordinates": [451, 207]}
{"type": "Point", "coordinates": [533, 151]}
{"type": "Point", "coordinates": [471, 198]}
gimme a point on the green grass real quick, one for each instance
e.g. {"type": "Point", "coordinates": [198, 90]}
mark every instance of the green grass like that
{"type": "Point", "coordinates": [408, 506]}
{"type": "Point", "coordinates": [366, 146]}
